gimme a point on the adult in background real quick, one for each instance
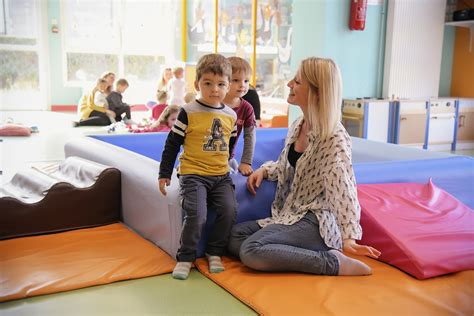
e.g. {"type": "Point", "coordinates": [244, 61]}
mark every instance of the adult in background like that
{"type": "Point", "coordinates": [110, 78]}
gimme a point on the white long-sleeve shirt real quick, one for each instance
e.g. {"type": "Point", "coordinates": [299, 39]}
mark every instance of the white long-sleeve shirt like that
{"type": "Point", "coordinates": [100, 99]}
{"type": "Point", "coordinates": [323, 182]}
{"type": "Point", "coordinates": [177, 90]}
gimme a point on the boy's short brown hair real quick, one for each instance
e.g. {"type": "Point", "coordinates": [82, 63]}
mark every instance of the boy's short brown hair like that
{"type": "Point", "coordinates": [161, 96]}
{"type": "Point", "coordinates": [122, 82]}
{"type": "Point", "coordinates": [240, 65]}
{"type": "Point", "coordinates": [177, 70]}
{"type": "Point", "coordinates": [213, 63]}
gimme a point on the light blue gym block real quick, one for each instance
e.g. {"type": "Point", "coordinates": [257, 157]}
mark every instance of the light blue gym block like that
{"type": "Point", "coordinates": [160, 295]}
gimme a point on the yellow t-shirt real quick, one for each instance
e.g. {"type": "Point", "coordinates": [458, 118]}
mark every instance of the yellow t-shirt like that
{"type": "Point", "coordinates": [206, 134]}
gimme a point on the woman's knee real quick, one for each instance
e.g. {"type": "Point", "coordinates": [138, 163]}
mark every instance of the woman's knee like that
{"type": "Point", "coordinates": [251, 256]}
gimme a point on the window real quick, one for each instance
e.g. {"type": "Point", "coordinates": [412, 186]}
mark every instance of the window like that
{"type": "Point", "coordinates": [91, 39]}
{"type": "Point", "coordinates": [273, 37]}
{"type": "Point", "coordinates": [273, 47]}
{"type": "Point", "coordinates": [19, 55]}
{"type": "Point", "coordinates": [133, 39]}
{"type": "Point", "coordinates": [201, 28]}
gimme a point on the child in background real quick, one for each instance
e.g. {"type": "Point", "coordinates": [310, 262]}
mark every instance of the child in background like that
{"type": "Point", "coordinates": [177, 87]}
{"type": "Point", "coordinates": [100, 99]}
{"type": "Point", "coordinates": [161, 96]}
{"type": "Point", "coordinates": [206, 129]}
{"type": "Point", "coordinates": [116, 104]}
{"type": "Point", "coordinates": [166, 120]}
{"type": "Point", "coordinates": [239, 86]}
{"type": "Point", "coordinates": [189, 97]}
{"type": "Point", "coordinates": [93, 107]}
{"type": "Point", "coordinates": [164, 123]}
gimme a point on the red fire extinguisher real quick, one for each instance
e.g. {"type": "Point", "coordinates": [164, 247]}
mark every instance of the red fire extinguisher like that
{"type": "Point", "coordinates": [358, 13]}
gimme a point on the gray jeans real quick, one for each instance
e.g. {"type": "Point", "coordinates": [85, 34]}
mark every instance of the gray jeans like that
{"type": "Point", "coordinates": [276, 247]}
{"type": "Point", "coordinates": [197, 194]}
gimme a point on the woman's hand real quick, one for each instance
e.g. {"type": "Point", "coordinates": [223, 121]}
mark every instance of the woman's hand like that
{"type": "Point", "coordinates": [351, 247]}
{"type": "Point", "coordinates": [255, 179]}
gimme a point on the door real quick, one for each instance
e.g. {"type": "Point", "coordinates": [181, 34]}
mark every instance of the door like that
{"type": "Point", "coordinates": [466, 125]}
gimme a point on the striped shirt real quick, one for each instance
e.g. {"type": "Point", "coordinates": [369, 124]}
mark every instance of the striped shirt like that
{"type": "Point", "coordinates": [207, 135]}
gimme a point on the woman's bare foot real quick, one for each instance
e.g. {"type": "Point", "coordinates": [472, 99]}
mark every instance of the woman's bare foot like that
{"type": "Point", "coordinates": [349, 266]}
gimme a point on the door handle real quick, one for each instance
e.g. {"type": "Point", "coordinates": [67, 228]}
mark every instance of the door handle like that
{"type": "Point", "coordinates": [442, 117]}
{"type": "Point", "coordinates": [351, 118]}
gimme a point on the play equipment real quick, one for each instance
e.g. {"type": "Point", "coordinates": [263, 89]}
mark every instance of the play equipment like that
{"type": "Point", "coordinates": [75, 194]}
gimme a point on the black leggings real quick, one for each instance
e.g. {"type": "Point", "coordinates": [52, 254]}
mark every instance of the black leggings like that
{"type": "Point", "coordinates": [124, 109]}
{"type": "Point", "coordinates": [96, 118]}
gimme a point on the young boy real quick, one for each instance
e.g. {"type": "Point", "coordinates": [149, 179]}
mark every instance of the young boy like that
{"type": "Point", "coordinates": [116, 104]}
{"type": "Point", "coordinates": [177, 87]}
{"type": "Point", "coordinates": [239, 86]}
{"type": "Point", "coordinates": [206, 129]}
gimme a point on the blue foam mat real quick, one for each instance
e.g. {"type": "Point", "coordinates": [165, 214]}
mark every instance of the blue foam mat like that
{"type": "Point", "coordinates": [454, 174]}
{"type": "Point", "coordinates": [269, 141]}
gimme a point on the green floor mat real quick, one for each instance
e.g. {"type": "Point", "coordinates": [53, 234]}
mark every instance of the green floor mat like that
{"type": "Point", "coordinates": [160, 295]}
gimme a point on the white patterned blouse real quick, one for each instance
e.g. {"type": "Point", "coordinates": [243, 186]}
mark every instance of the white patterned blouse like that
{"type": "Point", "coordinates": [323, 182]}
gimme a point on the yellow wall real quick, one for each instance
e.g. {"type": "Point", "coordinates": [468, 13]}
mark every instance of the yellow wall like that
{"type": "Point", "coordinates": [462, 82]}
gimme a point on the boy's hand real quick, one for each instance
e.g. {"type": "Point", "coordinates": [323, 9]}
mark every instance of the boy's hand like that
{"type": "Point", "coordinates": [245, 169]}
{"type": "Point", "coordinates": [162, 183]}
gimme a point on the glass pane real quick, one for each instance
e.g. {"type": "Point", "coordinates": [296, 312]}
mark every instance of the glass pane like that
{"type": "Point", "coordinates": [146, 68]}
{"type": "Point", "coordinates": [20, 18]}
{"type": "Point", "coordinates": [149, 27]}
{"type": "Point", "coordinates": [200, 28]}
{"type": "Point", "coordinates": [3, 18]}
{"type": "Point", "coordinates": [89, 67]}
{"type": "Point", "coordinates": [91, 25]}
{"type": "Point", "coordinates": [18, 70]}
{"type": "Point", "coordinates": [235, 28]}
{"type": "Point", "coordinates": [274, 47]}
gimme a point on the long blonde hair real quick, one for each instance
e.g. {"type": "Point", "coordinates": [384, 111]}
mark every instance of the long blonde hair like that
{"type": "Point", "coordinates": [325, 94]}
{"type": "Point", "coordinates": [97, 85]}
{"type": "Point", "coordinates": [105, 75]}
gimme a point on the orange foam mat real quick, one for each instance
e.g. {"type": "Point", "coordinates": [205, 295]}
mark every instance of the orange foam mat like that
{"type": "Point", "coordinates": [388, 291]}
{"type": "Point", "coordinates": [37, 265]}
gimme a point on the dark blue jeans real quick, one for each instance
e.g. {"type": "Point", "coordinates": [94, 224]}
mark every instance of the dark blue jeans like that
{"type": "Point", "coordinates": [298, 247]}
{"type": "Point", "coordinates": [198, 193]}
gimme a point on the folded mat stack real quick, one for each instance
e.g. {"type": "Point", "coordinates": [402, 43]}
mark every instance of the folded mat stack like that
{"type": "Point", "coordinates": [74, 194]}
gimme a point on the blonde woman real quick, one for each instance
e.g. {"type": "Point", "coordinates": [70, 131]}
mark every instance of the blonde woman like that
{"type": "Point", "coordinates": [110, 78]}
{"type": "Point", "coordinates": [165, 78]}
{"type": "Point", "coordinates": [94, 107]}
{"type": "Point", "coordinates": [315, 213]}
